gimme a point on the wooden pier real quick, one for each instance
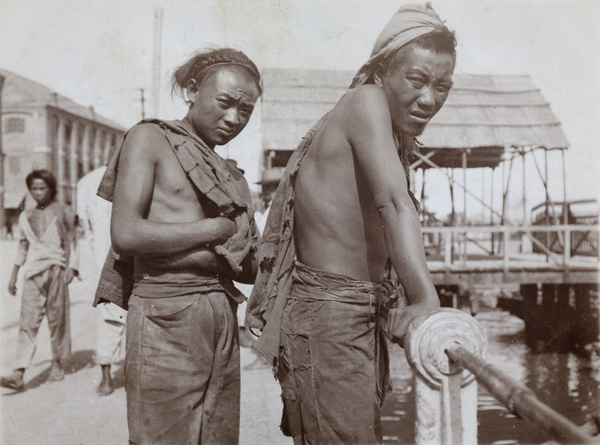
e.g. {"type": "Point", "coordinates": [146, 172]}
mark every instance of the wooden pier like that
{"type": "Point", "coordinates": [556, 294]}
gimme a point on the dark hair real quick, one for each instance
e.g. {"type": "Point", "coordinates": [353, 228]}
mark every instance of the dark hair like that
{"type": "Point", "coordinates": [438, 42]}
{"type": "Point", "coordinates": [45, 176]}
{"type": "Point", "coordinates": [205, 63]}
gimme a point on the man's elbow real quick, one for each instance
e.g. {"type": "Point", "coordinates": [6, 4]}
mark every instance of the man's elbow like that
{"type": "Point", "coordinates": [395, 207]}
{"type": "Point", "coordinates": [122, 243]}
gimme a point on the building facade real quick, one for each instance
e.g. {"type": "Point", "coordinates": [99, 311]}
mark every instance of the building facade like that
{"type": "Point", "coordinates": [42, 129]}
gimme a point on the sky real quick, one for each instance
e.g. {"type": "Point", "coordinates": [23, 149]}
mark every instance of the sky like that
{"type": "Point", "coordinates": [100, 53]}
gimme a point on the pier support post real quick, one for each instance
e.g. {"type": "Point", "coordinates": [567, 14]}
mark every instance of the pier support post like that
{"type": "Point", "coordinates": [446, 396]}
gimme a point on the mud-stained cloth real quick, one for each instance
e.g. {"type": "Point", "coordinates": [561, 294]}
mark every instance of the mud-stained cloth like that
{"type": "Point", "coordinates": [332, 329]}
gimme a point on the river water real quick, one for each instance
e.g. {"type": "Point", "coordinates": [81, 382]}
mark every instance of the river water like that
{"type": "Point", "coordinates": [568, 383]}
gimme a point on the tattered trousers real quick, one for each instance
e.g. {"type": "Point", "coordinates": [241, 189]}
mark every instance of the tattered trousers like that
{"type": "Point", "coordinates": [333, 364]}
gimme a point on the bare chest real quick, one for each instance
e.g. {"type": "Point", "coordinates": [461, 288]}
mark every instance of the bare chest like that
{"type": "Point", "coordinates": [174, 195]}
{"type": "Point", "coordinates": [39, 221]}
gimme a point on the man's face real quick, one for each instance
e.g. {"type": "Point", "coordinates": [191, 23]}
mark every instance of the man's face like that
{"type": "Point", "coordinates": [222, 104]}
{"type": "Point", "coordinates": [40, 191]}
{"type": "Point", "coordinates": [417, 88]}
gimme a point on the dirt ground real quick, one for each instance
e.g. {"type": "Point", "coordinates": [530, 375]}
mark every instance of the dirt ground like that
{"type": "Point", "coordinates": [69, 411]}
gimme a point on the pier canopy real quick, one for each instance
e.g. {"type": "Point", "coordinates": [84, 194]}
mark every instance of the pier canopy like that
{"type": "Point", "coordinates": [486, 114]}
{"type": "Point", "coordinates": [483, 116]}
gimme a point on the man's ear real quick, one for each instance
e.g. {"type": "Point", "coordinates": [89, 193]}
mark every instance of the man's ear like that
{"type": "Point", "coordinates": [191, 90]}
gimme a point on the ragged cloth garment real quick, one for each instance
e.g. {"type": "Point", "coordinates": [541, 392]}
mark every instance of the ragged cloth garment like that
{"type": "Point", "coordinates": [276, 255]}
{"type": "Point", "coordinates": [210, 175]}
{"type": "Point", "coordinates": [54, 247]}
{"type": "Point", "coordinates": [182, 366]}
{"type": "Point", "coordinates": [333, 366]}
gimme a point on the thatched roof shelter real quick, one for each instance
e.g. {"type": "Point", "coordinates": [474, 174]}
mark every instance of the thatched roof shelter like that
{"type": "Point", "coordinates": [484, 115]}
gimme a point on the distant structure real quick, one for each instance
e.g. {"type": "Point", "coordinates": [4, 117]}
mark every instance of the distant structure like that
{"type": "Point", "coordinates": [43, 129]}
{"type": "Point", "coordinates": [487, 121]}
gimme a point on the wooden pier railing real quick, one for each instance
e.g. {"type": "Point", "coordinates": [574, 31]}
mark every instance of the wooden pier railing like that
{"type": "Point", "coordinates": [452, 242]}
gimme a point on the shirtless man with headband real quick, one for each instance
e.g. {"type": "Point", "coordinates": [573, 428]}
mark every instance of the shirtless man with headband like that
{"type": "Point", "coordinates": [186, 217]}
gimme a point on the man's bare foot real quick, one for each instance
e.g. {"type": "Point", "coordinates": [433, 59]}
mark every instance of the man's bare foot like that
{"type": "Point", "coordinates": [56, 373]}
{"type": "Point", "coordinates": [13, 381]}
{"type": "Point", "coordinates": [105, 387]}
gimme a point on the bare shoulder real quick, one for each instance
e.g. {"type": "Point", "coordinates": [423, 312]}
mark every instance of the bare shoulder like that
{"type": "Point", "coordinates": [365, 95]}
{"type": "Point", "coordinates": [363, 106]}
{"type": "Point", "coordinates": [364, 112]}
{"type": "Point", "coordinates": [146, 138]}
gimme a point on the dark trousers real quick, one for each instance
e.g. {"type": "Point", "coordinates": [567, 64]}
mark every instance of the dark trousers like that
{"type": "Point", "coordinates": [182, 370]}
{"type": "Point", "coordinates": [333, 365]}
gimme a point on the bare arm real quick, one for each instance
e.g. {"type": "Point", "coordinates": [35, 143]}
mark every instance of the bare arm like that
{"type": "Point", "coordinates": [22, 251]}
{"type": "Point", "coordinates": [369, 130]}
{"type": "Point", "coordinates": [12, 284]}
{"type": "Point", "coordinates": [72, 247]}
{"type": "Point", "coordinates": [132, 233]}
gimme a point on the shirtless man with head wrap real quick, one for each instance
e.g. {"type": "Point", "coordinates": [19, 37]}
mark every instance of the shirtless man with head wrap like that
{"type": "Point", "coordinates": [342, 212]}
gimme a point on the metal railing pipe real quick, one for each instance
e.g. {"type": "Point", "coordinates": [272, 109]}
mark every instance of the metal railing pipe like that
{"type": "Point", "coordinates": [517, 397]}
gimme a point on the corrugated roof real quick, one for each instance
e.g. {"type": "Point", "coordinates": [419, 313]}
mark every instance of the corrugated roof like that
{"type": "Point", "coordinates": [17, 87]}
{"type": "Point", "coordinates": [483, 113]}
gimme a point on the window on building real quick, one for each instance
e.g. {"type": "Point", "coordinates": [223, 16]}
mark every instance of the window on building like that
{"type": "Point", "coordinates": [14, 165]}
{"type": "Point", "coordinates": [15, 125]}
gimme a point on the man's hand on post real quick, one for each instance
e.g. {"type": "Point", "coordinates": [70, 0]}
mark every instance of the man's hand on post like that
{"type": "Point", "coordinates": [399, 319]}
{"type": "Point", "coordinates": [12, 284]}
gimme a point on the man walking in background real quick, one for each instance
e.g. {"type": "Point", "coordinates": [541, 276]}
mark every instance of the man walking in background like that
{"type": "Point", "coordinates": [46, 250]}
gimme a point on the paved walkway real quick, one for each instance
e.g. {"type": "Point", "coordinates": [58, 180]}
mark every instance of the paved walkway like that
{"type": "Point", "coordinates": [69, 412]}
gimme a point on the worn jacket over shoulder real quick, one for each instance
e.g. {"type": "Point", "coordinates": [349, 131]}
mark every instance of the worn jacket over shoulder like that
{"type": "Point", "coordinates": [210, 175]}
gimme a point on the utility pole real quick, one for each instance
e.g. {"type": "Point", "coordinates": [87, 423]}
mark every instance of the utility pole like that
{"type": "Point", "coordinates": [143, 107]}
{"type": "Point", "coordinates": [158, 19]}
{"type": "Point", "coordinates": [2, 211]}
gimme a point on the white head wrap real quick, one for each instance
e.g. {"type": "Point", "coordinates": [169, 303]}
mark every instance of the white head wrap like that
{"type": "Point", "coordinates": [411, 21]}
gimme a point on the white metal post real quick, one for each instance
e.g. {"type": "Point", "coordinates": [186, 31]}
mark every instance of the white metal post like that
{"type": "Point", "coordinates": [446, 396]}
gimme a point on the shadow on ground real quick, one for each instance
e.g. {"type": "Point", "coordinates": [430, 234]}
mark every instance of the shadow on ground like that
{"type": "Point", "coordinates": [79, 360]}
